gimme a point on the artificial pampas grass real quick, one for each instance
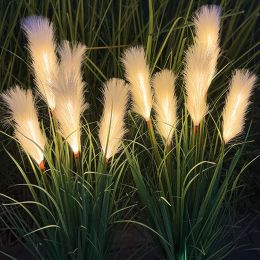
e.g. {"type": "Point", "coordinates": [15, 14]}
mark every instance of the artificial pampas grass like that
{"type": "Point", "coordinates": [137, 73]}
{"type": "Point", "coordinates": [200, 69]}
{"type": "Point", "coordinates": [27, 130]}
{"type": "Point", "coordinates": [207, 27]}
{"type": "Point", "coordinates": [201, 61]}
{"type": "Point", "coordinates": [69, 92]}
{"type": "Point", "coordinates": [165, 104]}
{"type": "Point", "coordinates": [237, 103]}
{"type": "Point", "coordinates": [111, 128]}
{"type": "Point", "coordinates": [42, 47]}
{"type": "Point", "coordinates": [71, 61]}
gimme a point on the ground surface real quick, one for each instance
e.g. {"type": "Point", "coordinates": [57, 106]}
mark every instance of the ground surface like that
{"type": "Point", "coordinates": [137, 244]}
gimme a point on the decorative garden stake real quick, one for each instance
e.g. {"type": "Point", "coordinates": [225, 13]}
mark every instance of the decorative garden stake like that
{"type": "Point", "coordinates": [237, 103]}
{"type": "Point", "coordinates": [69, 92]}
{"type": "Point", "coordinates": [42, 47]}
{"type": "Point", "coordinates": [27, 130]}
{"type": "Point", "coordinates": [112, 127]}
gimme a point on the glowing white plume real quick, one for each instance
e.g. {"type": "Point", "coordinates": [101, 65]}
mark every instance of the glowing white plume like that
{"type": "Point", "coordinates": [27, 130]}
{"type": "Point", "coordinates": [42, 47]}
{"type": "Point", "coordinates": [165, 104]}
{"type": "Point", "coordinates": [237, 103]}
{"type": "Point", "coordinates": [69, 93]}
{"type": "Point", "coordinates": [199, 71]}
{"type": "Point", "coordinates": [111, 128]}
{"type": "Point", "coordinates": [137, 73]}
{"type": "Point", "coordinates": [207, 27]}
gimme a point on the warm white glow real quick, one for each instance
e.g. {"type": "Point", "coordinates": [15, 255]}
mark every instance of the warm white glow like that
{"type": "Point", "coordinates": [200, 69]}
{"type": "Point", "coordinates": [207, 27]}
{"type": "Point", "coordinates": [112, 128]}
{"type": "Point", "coordinates": [143, 93]}
{"type": "Point", "coordinates": [27, 130]}
{"type": "Point", "coordinates": [69, 92]}
{"type": "Point", "coordinates": [138, 75]}
{"type": "Point", "coordinates": [201, 61]}
{"type": "Point", "coordinates": [237, 103]}
{"type": "Point", "coordinates": [41, 44]}
{"type": "Point", "coordinates": [165, 104]}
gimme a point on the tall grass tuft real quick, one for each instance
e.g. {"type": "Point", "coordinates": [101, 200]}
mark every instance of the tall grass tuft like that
{"type": "Point", "coordinates": [71, 204]}
{"type": "Point", "coordinates": [187, 189]}
{"type": "Point", "coordinates": [189, 194]}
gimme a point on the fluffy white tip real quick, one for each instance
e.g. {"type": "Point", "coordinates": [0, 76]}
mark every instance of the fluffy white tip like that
{"type": "Point", "coordinates": [207, 26]}
{"type": "Point", "coordinates": [69, 93]}
{"type": "Point", "coordinates": [199, 72]}
{"type": "Point", "coordinates": [42, 47]}
{"type": "Point", "coordinates": [27, 130]}
{"type": "Point", "coordinates": [138, 74]}
{"type": "Point", "coordinates": [237, 103]}
{"type": "Point", "coordinates": [112, 128]}
{"type": "Point", "coordinates": [165, 104]}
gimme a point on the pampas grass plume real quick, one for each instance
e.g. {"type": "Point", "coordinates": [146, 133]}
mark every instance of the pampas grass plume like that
{"type": "Point", "coordinates": [165, 104]}
{"type": "Point", "coordinates": [200, 69]}
{"type": "Point", "coordinates": [69, 93]}
{"type": "Point", "coordinates": [138, 75]}
{"type": "Point", "coordinates": [27, 130]}
{"type": "Point", "coordinates": [207, 27]}
{"type": "Point", "coordinates": [41, 45]}
{"type": "Point", "coordinates": [111, 128]}
{"type": "Point", "coordinates": [237, 103]}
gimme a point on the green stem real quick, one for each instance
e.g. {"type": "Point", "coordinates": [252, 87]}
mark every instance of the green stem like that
{"type": "Point", "coordinates": [168, 153]}
{"type": "Point", "coordinates": [105, 163]}
{"type": "Point", "coordinates": [169, 174]}
{"type": "Point", "coordinates": [153, 141]}
{"type": "Point", "coordinates": [78, 167]}
{"type": "Point", "coordinates": [150, 32]}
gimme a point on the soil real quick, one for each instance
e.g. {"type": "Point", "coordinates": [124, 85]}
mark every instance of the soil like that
{"type": "Point", "coordinates": [135, 243]}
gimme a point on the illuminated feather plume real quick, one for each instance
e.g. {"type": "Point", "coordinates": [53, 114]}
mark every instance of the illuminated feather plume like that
{"type": "Point", "coordinates": [27, 130]}
{"type": "Point", "coordinates": [207, 27]}
{"type": "Point", "coordinates": [165, 104]}
{"type": "Point", "coordinates": [237, 103]}
{"type": "Point", "coordinates": [41, 44]}
{"type": "Point", "coordinates": [69, 92]}
{"type": "Point", "coordinates": [200, 69]}
{"type": "Point", "coordinates": [137, 73]}
{"type": "Point", "coordinates": [71, 60]}
{"type": "Point", "coordinates": [112, 128]}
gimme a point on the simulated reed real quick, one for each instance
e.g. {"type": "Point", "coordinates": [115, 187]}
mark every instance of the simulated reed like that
{"type": "Point", "coordinates": [186, 192]}
{"type": "Point", "coordinates": [42, 47]}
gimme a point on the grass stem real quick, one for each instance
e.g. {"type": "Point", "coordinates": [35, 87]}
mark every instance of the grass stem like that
{"type": "Point", "coordinates": [153, 141]}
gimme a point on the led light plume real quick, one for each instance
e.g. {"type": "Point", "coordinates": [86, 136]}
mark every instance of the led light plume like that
{"type": "Point", "coordinates": [23, 113]}
{"type": "Point", "coordinates": [112, 127]}
{"type": "Point", "coordinates": [69, 92]}
{"type": "Point", "coordinates": [165, 104]}
{"type": "Point", "coordinates": [199, 72]}
{"type": "Point", "coordinates": [207, 27]}
{"type": "Point", "coordinates": [42, 47]}
{"type": "Point", "coordinates": [138, 74]}
{"type": "Point", "coordinates": [237, 103]}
